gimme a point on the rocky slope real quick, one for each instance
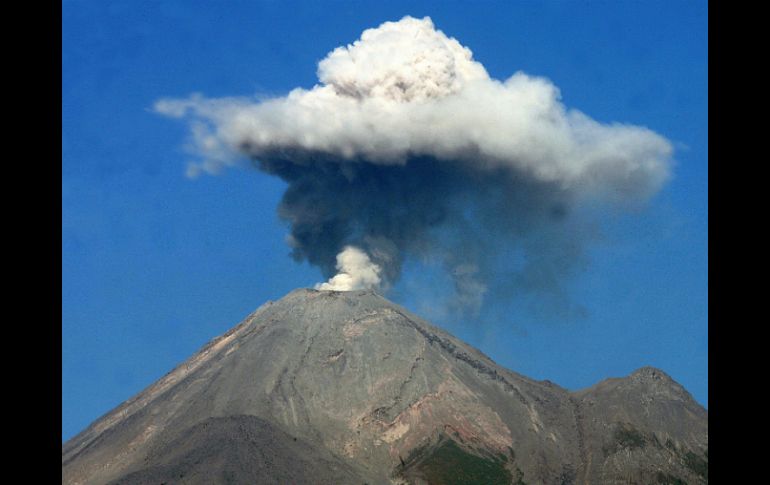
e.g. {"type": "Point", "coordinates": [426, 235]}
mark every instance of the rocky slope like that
{"type": "Point", "coordinates": [347, 387]}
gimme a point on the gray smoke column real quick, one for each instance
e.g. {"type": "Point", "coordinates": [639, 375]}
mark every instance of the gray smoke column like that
{"type": "Point", "coordinates": [406, 148]}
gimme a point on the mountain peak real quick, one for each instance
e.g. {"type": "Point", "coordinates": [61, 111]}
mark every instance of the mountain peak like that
{"type": "Point", "coordinates": [336, 293]}
{"type": "Point", "coordinates": [650, 373]}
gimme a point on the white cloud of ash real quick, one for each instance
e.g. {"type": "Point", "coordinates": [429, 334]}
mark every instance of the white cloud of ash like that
{"type": "Point", "coordinates": [355, 272]}
{"type": "Point", "coordinates": [406, 148]}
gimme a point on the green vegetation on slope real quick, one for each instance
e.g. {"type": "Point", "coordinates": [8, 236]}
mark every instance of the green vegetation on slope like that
{"type": "Point", "coordinates": [698, 465]}
{"type": "Point", "coordinates": [626, 437]}
{"type": "Point", "coordinates": [448, 464]}
{"type": "Point", "coordinates": [666, 479]}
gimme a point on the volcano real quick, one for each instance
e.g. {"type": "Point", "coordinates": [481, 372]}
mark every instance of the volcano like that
{"type": "Point", "coordinates": [328, 387]}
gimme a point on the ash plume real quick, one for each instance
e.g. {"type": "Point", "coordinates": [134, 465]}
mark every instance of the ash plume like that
{"type": "Point", "coordinates": [406, 148]}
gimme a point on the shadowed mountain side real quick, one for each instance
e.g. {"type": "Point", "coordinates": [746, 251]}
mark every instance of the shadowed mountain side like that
{"type": "Point", "coordinates": [374, 394]}
{"type": "Point", "coordinates": [239, 449]}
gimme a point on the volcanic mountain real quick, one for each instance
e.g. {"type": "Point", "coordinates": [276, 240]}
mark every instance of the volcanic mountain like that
{"type": "Point", "coordinates": [326, 387]}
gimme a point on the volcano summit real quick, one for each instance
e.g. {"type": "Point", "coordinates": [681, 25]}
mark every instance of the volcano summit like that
{"type": "Point", "coordinates": [327, 387]}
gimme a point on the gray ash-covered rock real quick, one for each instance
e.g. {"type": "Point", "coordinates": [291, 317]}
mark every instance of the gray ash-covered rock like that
{"type": "Point", "coordinates": [347, 387]}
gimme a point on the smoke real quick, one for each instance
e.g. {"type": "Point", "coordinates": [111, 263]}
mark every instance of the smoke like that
{"type": "Point", "coordinates": [355, 272]}
{"type": "Point", "coordinates": [408, 149]}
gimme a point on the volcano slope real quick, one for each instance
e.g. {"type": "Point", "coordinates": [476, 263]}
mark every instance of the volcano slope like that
{"type": "Point", "coordinates": [325, 387]}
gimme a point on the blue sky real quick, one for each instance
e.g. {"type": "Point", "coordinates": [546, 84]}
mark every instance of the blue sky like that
{"type": "Point", "coordinates": [155, 264]}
